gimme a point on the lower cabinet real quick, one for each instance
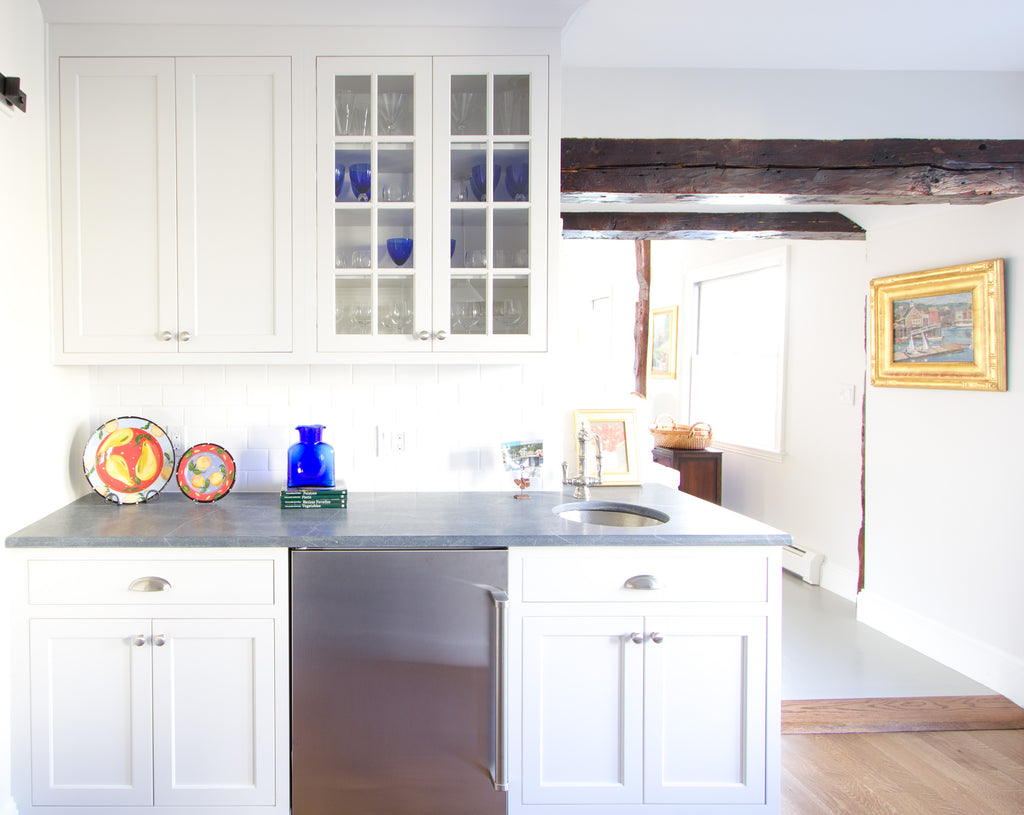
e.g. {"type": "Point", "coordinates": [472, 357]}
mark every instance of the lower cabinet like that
{"type": "Point", "coordinates": [643, 697]}
{"type": "Point", "coordinates": [182, 707]}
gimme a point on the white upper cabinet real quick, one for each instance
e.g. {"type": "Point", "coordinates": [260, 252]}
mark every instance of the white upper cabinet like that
{"type": "Point", "coordinates": [175, 215]}
{"type": "Point", "coordinates": [432, 204]}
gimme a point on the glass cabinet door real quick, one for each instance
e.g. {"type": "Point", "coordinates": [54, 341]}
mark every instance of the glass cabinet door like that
{"type": "Point", "coordinates": [373, 215]}
{"type": "Point", "coordinates": [490, 147]}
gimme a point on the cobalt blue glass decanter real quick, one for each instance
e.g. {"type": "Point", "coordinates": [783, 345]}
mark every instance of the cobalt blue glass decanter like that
{"type": "Point", "coordinates": [310, 460]}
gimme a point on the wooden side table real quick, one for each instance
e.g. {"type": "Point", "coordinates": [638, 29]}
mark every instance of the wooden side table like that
{"type": "Point", "coordinates": [700, 471]}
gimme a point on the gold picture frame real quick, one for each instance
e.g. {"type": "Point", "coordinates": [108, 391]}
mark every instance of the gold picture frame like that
{"type": "Point", "coordinates": [620, 456]}
{"type": "Point", "coordinates": [943, 328]}
{"type": "Point", "coordinates": [664, 341]}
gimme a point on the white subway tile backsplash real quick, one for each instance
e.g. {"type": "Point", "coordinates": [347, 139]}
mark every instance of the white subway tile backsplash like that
{"type": "Point", "coordinates": [160, 375]}
{"type": "Point", "coordinates": [203, 375]}
{"type": "Point", "coordinates": [363, 375]}
{"type": "Point", "coordinates": [246, 374]}
{"type": "Point", "coordinates": [416, 374]}
{"type": "Point", "coordinates": [285, 375]}
{"type": "Point", "coordinates": [232, 439]}
{"type": "Point", "coordinates": [252, 460]}
{"type": "Point", "coordinates": [458, 374]}
{"type": "Point", "coordinates": [141, 395]}
{"type": "Point", "coordinates": [247, 416]}
{"type": "Point", "coordinates": [331, 375]}
{"type": "Point", "coordinates": [266, 395]}
{"type": "Point", "coordinates": [271, 437]}
{"type": "Point", "coordinates": [317, 396]}
{"type": "Point", "coordinates": [224, 395]}
{"type": "Point", "coordinates": [203, 416]}
{"type": "Point", "coordinates": [116, 374]}
{"type": "Point", "coordinates": [181, 395]}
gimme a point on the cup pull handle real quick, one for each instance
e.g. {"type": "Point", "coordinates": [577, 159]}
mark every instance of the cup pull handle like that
{"type": "Point", "coordinates": [642, 582]}
{"type": "Point", "coordinates": [149, 584]}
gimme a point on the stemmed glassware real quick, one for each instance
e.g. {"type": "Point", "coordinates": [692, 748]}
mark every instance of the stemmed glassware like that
{"type": "Point", "coordinates": [462, 107]}
{"type": "Point", "coordinates": [359, 174]}
{"type": "Point", "coordinates": [517, 179]}
{"type": "Point", "coordinates": [391, 109]}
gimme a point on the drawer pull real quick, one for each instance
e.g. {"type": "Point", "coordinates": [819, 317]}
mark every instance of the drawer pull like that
{"type": "Point", "coordinates": [642, 582]}
{"type": "Point", "coordinates": [657, 638]}
{"type": "Point", "coordinates": [159, 640]}
{"type": "Point", "coordinates": [139, 641]}
{"type": "Point", "coordinates": [149, 584]}
{"type": "Point", "coordinates": [637, 638]}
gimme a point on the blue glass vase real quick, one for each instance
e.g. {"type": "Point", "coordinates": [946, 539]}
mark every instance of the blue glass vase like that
{"type": "Point", "coordinates": [310, 460]}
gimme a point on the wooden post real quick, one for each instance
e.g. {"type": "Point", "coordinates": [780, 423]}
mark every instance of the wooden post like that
{"type": "Point", "coordinates": [643, 312]}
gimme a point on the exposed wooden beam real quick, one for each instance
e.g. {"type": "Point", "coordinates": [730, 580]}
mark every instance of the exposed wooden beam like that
{"type": "Point", "coordinates": [703, 226]}
{"type": "Point", "coordinates": [641, 327]}
{"type": "Point", "coordinates": [856, 171]}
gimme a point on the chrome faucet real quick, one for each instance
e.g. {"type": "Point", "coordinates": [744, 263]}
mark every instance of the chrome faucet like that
{"type": "Point", "coordinates": [586, 442]}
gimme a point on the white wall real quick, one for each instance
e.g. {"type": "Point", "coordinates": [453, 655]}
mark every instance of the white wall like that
{"type": "Point", "coordinates": [39, 414]}
{"type": "Point", "coordinates": [943, 552]}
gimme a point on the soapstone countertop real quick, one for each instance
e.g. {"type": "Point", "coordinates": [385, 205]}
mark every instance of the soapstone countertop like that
{"type": "Point", "coordinates": [391, 520]}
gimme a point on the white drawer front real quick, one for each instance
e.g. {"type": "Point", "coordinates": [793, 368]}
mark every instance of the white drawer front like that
{"type": "Point", "coordinates": [678, 577]}
{"type": "Point", "coordinates": [110, 582]}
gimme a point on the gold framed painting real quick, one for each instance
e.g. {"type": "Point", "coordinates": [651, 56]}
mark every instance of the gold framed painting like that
{"type": "Point", "coordinates": [620, 456]}
{"type": "Point", "coordinates": [944, 328]}
{"type": "Point", "coordinates": [664, 337]}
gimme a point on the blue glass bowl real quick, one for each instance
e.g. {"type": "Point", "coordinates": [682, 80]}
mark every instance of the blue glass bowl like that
{"type": "Point", "coordinates": [359, 174]}
{"type": "Point", "coordinates": [517, 181]}
{"type": "Point", "coordinates": [453, 248]}
{"type": "Point", "coordinates": [399, 249]}
{"type": "Point", "coordinates": [478, 180]}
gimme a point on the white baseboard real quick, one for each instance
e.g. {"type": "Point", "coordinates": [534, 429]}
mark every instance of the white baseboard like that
{"type": "Point", "coordinates": [839, 580]}
{"type": "Point", "coordinates": [999, 670]}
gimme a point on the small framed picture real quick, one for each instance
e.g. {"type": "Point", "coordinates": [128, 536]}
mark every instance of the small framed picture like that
{"type": "Point", "coordinates": [620, 457]}
{"type": "Point", "coordinates": [945, 328]}
{"type": "Point", "coordinates": [664, 335]}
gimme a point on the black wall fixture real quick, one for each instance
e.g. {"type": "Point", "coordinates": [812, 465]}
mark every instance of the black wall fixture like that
{"type": "Point", "coordinates": [14, 96]}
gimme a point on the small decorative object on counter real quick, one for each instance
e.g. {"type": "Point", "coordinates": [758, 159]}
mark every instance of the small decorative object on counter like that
{"type": "Point", "coordinates": [524, 459]}
{"type": "Point", "coordinates": [310, 498]}
{"type": "Point", "coordinates": [310, 460]}
{"type": "Point", "coordinates": [128, 460]}
{"type": "Point", "coordinates": [680, 436]}
{"type": "Point", "coordinates": [206, 472]}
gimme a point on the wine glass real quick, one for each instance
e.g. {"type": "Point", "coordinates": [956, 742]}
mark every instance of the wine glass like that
{"type": "Point", "coordinates": [391, 105]}
{"type": "Point", "coordinates": [399, 249]}
{"type": "Point", "coordinates": [478, 180]}
{"type": "Point", "coordinates": [359, 174]}
{"type": "Point", "coordinates": [462, 106]}
{"type": "Point", "coordinates": [339, 180]}
{"type": "Point", "coordinates": [517, 180]}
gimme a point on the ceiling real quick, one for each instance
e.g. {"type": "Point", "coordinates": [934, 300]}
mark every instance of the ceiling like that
{"type": "Point", "coordinates": [937, 35]}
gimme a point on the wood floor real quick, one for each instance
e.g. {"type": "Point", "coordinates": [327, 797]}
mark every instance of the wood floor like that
{"type": "Point", "coordinates": [940, 773]}
{"type": "Point", "coordinates": [919, 713]}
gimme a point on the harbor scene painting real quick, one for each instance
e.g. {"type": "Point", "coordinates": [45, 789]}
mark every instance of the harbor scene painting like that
{"type": "Point", "coordinates": [934, 329]}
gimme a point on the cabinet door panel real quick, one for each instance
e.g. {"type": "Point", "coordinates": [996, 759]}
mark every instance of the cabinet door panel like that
{"type": "Point", "coordinates": [213, 695]}
{"type": "Point", "coordinates": [117, 169]}
{"type": "Point", "coordinates": [90, 712]}
{"type": "Point", "coordinates": [234, 203]}
{"type": "Point", "coordinates": [704, 720]}
{"type": "Point", "coordinates": [582, 708]}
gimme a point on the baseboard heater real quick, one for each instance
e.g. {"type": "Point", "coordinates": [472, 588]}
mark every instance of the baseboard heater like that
{"type": "Point", "coordinates": [803, 563]}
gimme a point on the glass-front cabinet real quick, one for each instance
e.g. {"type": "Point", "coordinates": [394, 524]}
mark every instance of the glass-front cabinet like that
{"type": "Point", "coordinates": [432, 233]}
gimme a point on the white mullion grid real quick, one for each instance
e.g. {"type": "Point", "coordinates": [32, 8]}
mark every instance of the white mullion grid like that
{"type": "Point", "coordinates": [374, 209]}
{"type": "Point", "coordinates": [489, 210]}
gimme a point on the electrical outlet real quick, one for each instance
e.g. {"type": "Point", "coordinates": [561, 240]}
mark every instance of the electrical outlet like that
{"type": "Point", "coordinates": [390, 442]}
{"type": "Point", "coordinates": [177, 437]}
{"type": "Point", "coordinates": [847, 394]}
{"type": "Point", "coordinates": [398, 441]}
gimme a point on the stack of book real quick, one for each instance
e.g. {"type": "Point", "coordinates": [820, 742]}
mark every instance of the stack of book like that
{"type": "Point", "coordinates": [314, 498]}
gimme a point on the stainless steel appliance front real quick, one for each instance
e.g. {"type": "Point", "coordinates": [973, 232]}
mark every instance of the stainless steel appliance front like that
{"type": "Point", "coordinates": [397, 682]}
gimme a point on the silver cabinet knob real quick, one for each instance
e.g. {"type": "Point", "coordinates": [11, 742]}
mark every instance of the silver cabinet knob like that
{"type": "Point", "coordinates": [139, 641]}
{"type": "Point", "coordinates": [441, 335]}
{"type": "Point", "coordinates": [166, 336]}
{"type": "Point", "coordinates": [637, 638]}
{"type": "Point", "coordinates": [642, 582]}
{"type": "Point", "coordinates": [656, 637]}
{"type": "Point", "coordinates": [159, 639]}
{"type": "Point", "coordinates": [149, 584]}
{"type": "Point", "coordinates": [184, 336]}
{"type": "Point", "coordinates": [423, 335]}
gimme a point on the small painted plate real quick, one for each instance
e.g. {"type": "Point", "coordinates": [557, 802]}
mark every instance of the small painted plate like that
{"type": "Point", "coordinates": [128, 460]}
{"type": "Point", "coordinates": [206, 472]}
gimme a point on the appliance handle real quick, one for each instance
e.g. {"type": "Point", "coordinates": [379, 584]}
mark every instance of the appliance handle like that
{"type": "Point", "coordinates": [500, 599]}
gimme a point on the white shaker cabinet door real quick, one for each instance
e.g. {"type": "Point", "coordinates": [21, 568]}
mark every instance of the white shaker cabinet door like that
{"type": "Point", "coordinates": [704, 710]}
{"type": "Point", "coordinates": [117, 215]}
{"type": "Point", "coordinates": [90, 712]}
{"type": "Point", "coordinates": [582, 710]}
{"type": "Point", "coordinates": [234, 204]}
{"type": "Point", "coordinates": [213, 712]}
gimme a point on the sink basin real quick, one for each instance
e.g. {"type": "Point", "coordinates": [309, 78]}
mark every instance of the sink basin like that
{"type": "Point", "coordinates": [610, 513]}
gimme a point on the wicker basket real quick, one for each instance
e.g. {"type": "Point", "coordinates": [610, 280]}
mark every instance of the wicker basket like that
{"type": "Point", "coordinates": [680, 436]}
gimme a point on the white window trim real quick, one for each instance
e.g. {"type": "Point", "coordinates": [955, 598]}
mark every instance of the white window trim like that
{"type": "Point", "coordinates": [776, 257]}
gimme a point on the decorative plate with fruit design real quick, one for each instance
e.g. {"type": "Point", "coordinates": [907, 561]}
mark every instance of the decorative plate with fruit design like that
{"type": "Point", "coordinates": [206, 472]}
{"type": "Point", "coordinates": [128, 460]}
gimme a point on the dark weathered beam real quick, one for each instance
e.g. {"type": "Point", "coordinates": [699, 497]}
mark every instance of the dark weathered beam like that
{"type": "Point", "coordinates": [704, 226]}
{"type": "Point", "coordinates": [856, 171]}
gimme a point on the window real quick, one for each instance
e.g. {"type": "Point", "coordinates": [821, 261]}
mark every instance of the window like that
{"type": "Point", "coordinates": [738, 358]}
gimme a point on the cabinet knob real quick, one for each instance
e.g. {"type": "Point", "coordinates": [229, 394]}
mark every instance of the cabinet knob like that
{"type": "Point", "coordinates": [637, 637]}
{"type": "Point", "coordinates": [442, 335]}
{"type": "Point", "coordinates": [149, 584]}
{"type": "Point", "coordinates": [166, 336]}
{"type": "Point", "coordinates": [159, 640]}
{"type": "Point", "coordinates": [642, 582]}
{"type": "Point", "coordinates": [139, 641]}
{"type": "Point", "coordinates": [423, 335]}
{"type": "Point", "coordinates": [656, 637]}
{"type": "Point", "coordinates": [184, 336]}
